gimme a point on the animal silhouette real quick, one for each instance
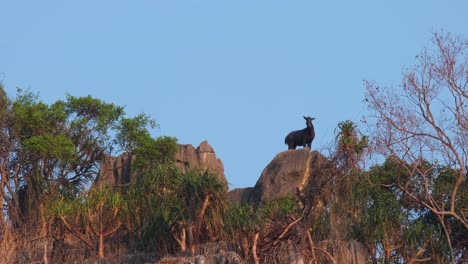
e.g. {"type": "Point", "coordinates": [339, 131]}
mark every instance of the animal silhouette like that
{"type": "Point", "coordinates": [301, 137]}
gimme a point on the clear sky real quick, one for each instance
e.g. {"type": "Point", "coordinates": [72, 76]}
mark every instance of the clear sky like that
{"type": "Point", "coordinates": [240, 74]}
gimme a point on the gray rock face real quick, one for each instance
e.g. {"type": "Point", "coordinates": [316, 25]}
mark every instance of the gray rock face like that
{"type": "Point", "coordinates": [240, 195]}
{"type": "Point", "coordinates": [116, 171]}
{"type": "Point", "coordinates": [289, 172]}
{"type": "Point", "coordinates": [209, 253]}
{"type": "Point", "coordinates": [219, 258]}
{"type": "Point", "coordinates": [202, 158]}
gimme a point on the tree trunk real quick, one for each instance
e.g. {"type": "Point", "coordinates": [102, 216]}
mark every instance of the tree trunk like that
{"type": "Point", "coordinates": [101, 239]}
{"type": "Point", "coordinates": [190, 240]}
{"type": "Point", "coordinates": [77, 233]}
{"type": "Point", "coordinates": [254, 248]}
{"type": "Point", "coordinates": [196, 230]}
{"type": "Point", "coordinates": [44, 234]}
{"type": "Point", "coordinates": [312, 248]}
{"type": "Point", "coordinates": [447, 236]}
{"type": "Point", "coordinates": [2, 197]}
{"type": "Point", "coordinates": [245, 246]}
{"type": "Point", "coordinates": [373, 253]}
{"type": "Point", "coordinates": [182, 241]}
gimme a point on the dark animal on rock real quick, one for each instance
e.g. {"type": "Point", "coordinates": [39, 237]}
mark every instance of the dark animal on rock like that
{"type": "Point", "coordinates": [301, 137]}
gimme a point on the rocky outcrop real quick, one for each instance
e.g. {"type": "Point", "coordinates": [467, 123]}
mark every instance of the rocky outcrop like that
{"type": "Point", "coordinates": [289, 172]}
{"type": "Point", "coordinates": [240, 195]}
{"type": "Point", "coordinates": [209, 253]}
{"type": "Point", "coordinates": [116, 171]}
{"type": "Point", "coordinates": [219, 258]}
{"type": "Point", "coordinates": [202, 158]}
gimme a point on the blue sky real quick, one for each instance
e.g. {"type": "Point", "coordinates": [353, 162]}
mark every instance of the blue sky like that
{"type": "Point", "coordinates": [240, 74]}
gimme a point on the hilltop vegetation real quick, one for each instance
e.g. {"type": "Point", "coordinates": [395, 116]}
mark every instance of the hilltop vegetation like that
{"type": "Point", "coordinates": [411, 208]}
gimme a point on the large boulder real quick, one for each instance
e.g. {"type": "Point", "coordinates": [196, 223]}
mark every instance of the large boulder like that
{"type": "Point", "coordinates": [116, 171]}
{"type": "Point", "coordinates": [289, 172]}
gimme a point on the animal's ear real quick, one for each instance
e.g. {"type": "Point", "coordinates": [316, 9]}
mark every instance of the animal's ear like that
{"type": "Point", "coordinates": [305, 117]}
{"type": "Point", "coordinates": [313, 118]}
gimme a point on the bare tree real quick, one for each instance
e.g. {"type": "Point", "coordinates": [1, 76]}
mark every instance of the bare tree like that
{"type": "Point", "coordinates": [425, 120]}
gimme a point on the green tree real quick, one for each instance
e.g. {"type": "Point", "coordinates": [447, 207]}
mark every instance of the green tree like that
{"type": "Point", "coordinates": [146, 152]}
{"type": "Point", "coordinates": [350, 149]}
{"type": "Point", "coordinates": [242, 225]}
{"type": "Point", "coordinates": [188, 204]}
{"type": "Point", "coordinates": [202, 195]}
{"type": "Point", "coordinates": [93, 219]}
{"type": "Point", "coordinates": [425, 119]}
{"type": "Point", "coordinates": [52, 150]}
{"type": "Point", "coordinates": [393, 227]}
{"type": "Point", "coordinates": [155, 210]}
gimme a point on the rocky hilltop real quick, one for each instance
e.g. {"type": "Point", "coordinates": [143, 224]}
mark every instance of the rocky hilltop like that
{"type": "Point", "coordinates": [299, 172]}
{"type": "Point", "coordinates": [302, 173]}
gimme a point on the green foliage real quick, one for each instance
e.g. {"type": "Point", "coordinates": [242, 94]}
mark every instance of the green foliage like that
{"type": "Point", "coordinates": [64, 142]}
{"type": "Point", "coordinates": [279, 209]}
{"type": "Point", "coordinates": [157, 234]}
{"type": "Point", "coordinates": [100, 114]}
{"type": "Point", "coordinates": [241, 218]}
{"type": "Point", "coordinates": [170, 201]}
{"type": "Point", "coordinates": [444, 184]}
{"type": "Point", "coordinates": [417, 232]}
{"type": "Point", "coordinates": [55, 147]}
{"type": "Point", "coordinates": [63, 208]}
{"type": "Point", "coordinates": [32, 119]}
{"type": "Point", "coordinates": [383, 214]}
{"type": "Point", "coordinates": [51, 151]}
{"type": "Point", "coordinates": [132, 132]}
{"type": "Point", "coordinates": [167, 148]}
{"type": "Point", "coordinates": [391, 222]}
{"type": "Point", "coordinates": [350, 145]}
{"type": "Point", "coordinates": [156, 151]}
{"type": "Point", "coordinates": [4, 103]}
{"type": "Point", "coordinates": [134, 138]}
{"type": "Point", "coordinates": [195, 186]}
{"type": "Point", "coordinates": [101, 201]}
{"type": "Point", "coordinates": [348, 137]}
{"type": "Point", "coordinates": [104, 197]}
